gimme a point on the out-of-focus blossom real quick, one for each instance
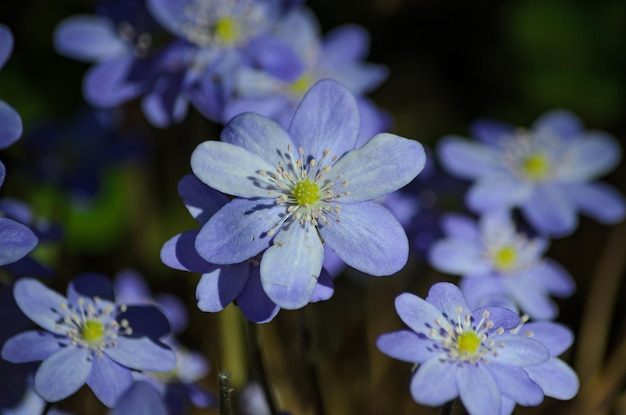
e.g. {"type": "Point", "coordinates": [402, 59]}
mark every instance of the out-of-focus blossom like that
{"type": "Point", "coordinates": [141, 398]}
{"type": "Point", "coordinates": [10, 120]}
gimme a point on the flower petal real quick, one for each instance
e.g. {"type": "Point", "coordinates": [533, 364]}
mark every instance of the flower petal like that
{"type": "Point", "coordinates": [90, 285]}
{"type": "Point", "coordinates": [325, 287]}
{"type": "Point", "coordinates": [108, 380]}
{"type": "Point", "coordinates": [384, 164]}
{"type": "Point", "coordinates": [515, 384]}
{"type": "Point", "coordinates": [556, 337]}
{"type": "Point", "coordinates": [259, 135]}
{"type": "Point", "coordinates": [141, 353]}
{"type": "Point", "coordinates": [326, 119]}
{"type": "Point", "coordinates": [109, 84]}
{"type": "Point", "coordinates": [201, 201]}
{"type": "Point", "coordinates": [592, 155]}
{"type": "Point", "coordinates": [39, 303]}
{"type": "Point", "coordinates": [6, 44]}
{"type": "Point", "coordinates": [16, 241]}
{"type": "Point", "coordinates": [230, 169]}
{"type": "Point", "coordinates": [180, 253]}
{"type": "Point", "coordinates": [554, 277]}
{"type": "Point", "coordinates": [558, 122]}
{"type": "Point", "coordinates": [447, 298]}
{"type": "Point", "coordinates": [10, 125]}
{"type": "Point", "coordinates": [460, 226]}
{"type": "Point", "coordinates": [466, 159]}
{"type": "Point", "coordinates": [491, 131]}
{"type": "Point", "coordinates": [532, 298]}
{"type": "Point", "coordinates": [458, 257]}
{"type": "Point", "coordinates": [520, 351]}
{"type": "Point", "coordinates": [417, 313]}
{"type": "Point", "coordinates": [369, 238]}
{"type": "Point", "coordinates": [254, 302]}
{"type": "Point", "coordinates": [555, 378]}
{"type": "Point", "coordinates": [434, 383]}
{"type": "Point", "coordinates": [31, 346]}
{"type": "Point", "coordinates": [218, 288]}
{"type": "Point", "coordinates": [497, 193]}
{"type": "Point", "coordinates": [549, 211]}
{"type": "Point", "coordinates": [141, 398]}
{"type": "Point", "coordinates": [63, 373]}
{"type": "Point", "coordinates": [238, 231]}
{"type": "Point", "coordinates": [407, 346]}
{"type": "Point", "coordinates": [89, 38]}
{"type": "Point", "coordinates": [599, 200]}
{"type": "Point", "coordinates": [478, 390]}
{"type": "Point", "coordinates": [291, 266]}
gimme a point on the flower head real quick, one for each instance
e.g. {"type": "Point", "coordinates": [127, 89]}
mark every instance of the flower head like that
{"type": "Point", "coordinates": [475, 354]}
{"type": "Point", "coordinates": [297, 188]}
{"type": "Point", "coordinates": [86, 338]}
{"type": "Point", "coordinates": [500, 265]}
{"type": "Point", "coordinates": [549, 171]}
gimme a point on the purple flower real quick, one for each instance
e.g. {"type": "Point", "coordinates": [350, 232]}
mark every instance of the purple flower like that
{"type": "Point", "coordinates": [298, 187]}
{"type": "Point", "coordinates": [463, 352]}
{"type": "Point", "coordinates": [549, 171]}
{"type": "Point", "coordinates": [500, 265]}
{"type": "Point", "coordinates": [10, 121]}
{"type": "Point", "coordinates": [86, 338]}
{"type": "Point", "coordinates": [339, 56]}
{"type": "Point", "coordinates": [140, 398]}
{"type": "Point", "coordinates": [221, 285]}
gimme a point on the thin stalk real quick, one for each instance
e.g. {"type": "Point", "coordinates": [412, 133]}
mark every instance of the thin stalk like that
{"type": "Point", "coordinates": [223, 379]}
{"type": "Point", "coordinates": [256, 359]}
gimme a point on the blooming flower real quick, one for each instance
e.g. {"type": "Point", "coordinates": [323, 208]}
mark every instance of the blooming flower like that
{"type": "Point", "coordinates": [298, 187]}
{"type": "Point", "coordinates": [86, 338]}
{"type": "Point", "coordinates": [222, 284]}
{"type": "Point", "coordinates": [463, 352]}
{"type": "Point", "coordinates": [549, 171]}
{"type": "Point", "coordinates": [500, 265]}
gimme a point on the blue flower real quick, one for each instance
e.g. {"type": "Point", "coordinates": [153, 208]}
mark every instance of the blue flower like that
{"type": "Point", "coordinates": [221, 285]}
{"type": "Point", "coordinates": [86, 338]}
{"type": "Point", "coordinates": [549, 171]}
{"type": "Point", "coordinates": [500, 265]}
{"type": "Point", "coordinates": [140, 399]}
{"type": "Point", "coordinates": [297, 188]}
{"type": "Point", "coordinates": [463, 352]}
{"type": "Point", "coordinates": [338, 56]}
{"type": "Point", "coordinates": [10, 121]}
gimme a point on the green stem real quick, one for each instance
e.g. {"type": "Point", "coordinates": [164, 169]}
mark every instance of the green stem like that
{"type": "Point", "coordinates": [256, 358]}
{"type": "Point", "coordinates": [223, 379]}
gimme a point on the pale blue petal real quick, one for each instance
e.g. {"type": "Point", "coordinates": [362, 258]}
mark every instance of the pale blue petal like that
{"type": "Point", "coordinates": [6, 44]}
{"type": "Point", "coordinates": [180, 253]}
{"type": "Point", "coordinates": [347, 43]}
{"type": "Point", "coordinates": [556, 337]}
{"type": "Point", "coordinates": [500, 316]}
{"type": "Point", "coordinates": [326, 119]}
{"type": "Point", "coordinates": [533, 299]}
{"type": "Point", "coordinates": [291, 266]}
{"type": "Point", "coordinates": [140, 399]}
{"type": "Point", "coordinates": [558, 122]}
{"type": "Point", "coordinates": [407, 346]}
{"type": "Point", "coordinates": [458, 257]}
{"type": "Point", "coordinates": [549, 211]}
{"type": "Point", "coordinates": [447, 298]}
{"type": "Point", "coordinates": [89, 38]}
{"type": "Point", "coordinates": [591, 156]}
{"type": "Point", "coordinates": [254, 302]}
{"type": "Point", "coordinates": [39, 303]}
{"type": "Point", "coordinates": [368, 238]}
{"type": "Point", "coordinates": [63, 373]}
{"type": "Point", "coordinates": [201, 201]}
{"type": "Point", "coordinates": [384, 164]}
{"type": "Point", "coordinates": [434, 383]}
{"type": "Point", "coordinates": [555, 378]}
{"type": "Point", "coordinates": [555, 278]}
{"type": "Point", "coordinates": [466, 159]}
{"type": "Point", "coordinates": [107, 84]}
{"type": "Point", "coordinates": [10, 125]}
{"type": "Point", "coordinates": [491, 131]}
{"type": "Point", "coordinates": [601, 201]}
{"type": "Point", "coordinates": [515, 384]}
{"type": "Point", "coordinates": [141, 353]}
{"type": "Point", "coordinates": [218, 288]}
{"type": "Point", "coordinates": [508, 405]}
{"type": "Point", "coordinates": [238, 231]}
{"type": "Point", "coordinates": [520, 351]}
{"type": "Point", "coordinates": [461, 227]}
{"type": "Point", "coordinates": [419, 315]}
{"type": "Point", "coordinates": [478, 390]}
{"type": "Point", "coordinates": [108, 380]}
{"type": "Point", "coordinates": [497, 193]}
{"type": "Point", "coordinates": [231, 169]}
{"type": "Point", "coordinates": [486, 291]}
{"type": "Point", "coordinates": [16, 241]}
{"type": "Point", "coordinates": [259, 135]}
{"type": "Point", "coordinates": [31, 346]}
{"type": "Point", "coordinates": [325, 287]}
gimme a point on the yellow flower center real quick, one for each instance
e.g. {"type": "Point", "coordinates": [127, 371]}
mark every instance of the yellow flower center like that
{"type": "Point", "coordinates": [505, 258]}
{"type": "Point", "coordinates": [92, 331]}
{"type": "Point", "coordinates": [227, 30]}
{"type": "Point", "coordinates": [536, 167]}
{"type": "Point", "coordinates": [301, 85]}
{"type": "Point", "coordinates": [468, 342]}
{"type": "Point", "coordinates": [306, 192]}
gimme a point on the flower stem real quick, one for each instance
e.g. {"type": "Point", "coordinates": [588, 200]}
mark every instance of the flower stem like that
{"type": "Point", "coordinates": [256, 359]}
{"type": "Point", "coordinates": [223, 379]}
{"type": "Point", "coordinates": [309, 352]}
{"type": "Point", "coordinates": [447, 408]}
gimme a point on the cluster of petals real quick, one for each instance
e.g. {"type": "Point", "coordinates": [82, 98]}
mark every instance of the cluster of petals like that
{"type": "Point", "coordinates": [298, 189]}
{"type": "Point", "coordinates": [549, 171]}
{"type": "Point", "coordinates": [500, 265]}
{"type": "Point", "coordinates": [479, 355]}
{"type": "Point", "coordinates": [86, 337]}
